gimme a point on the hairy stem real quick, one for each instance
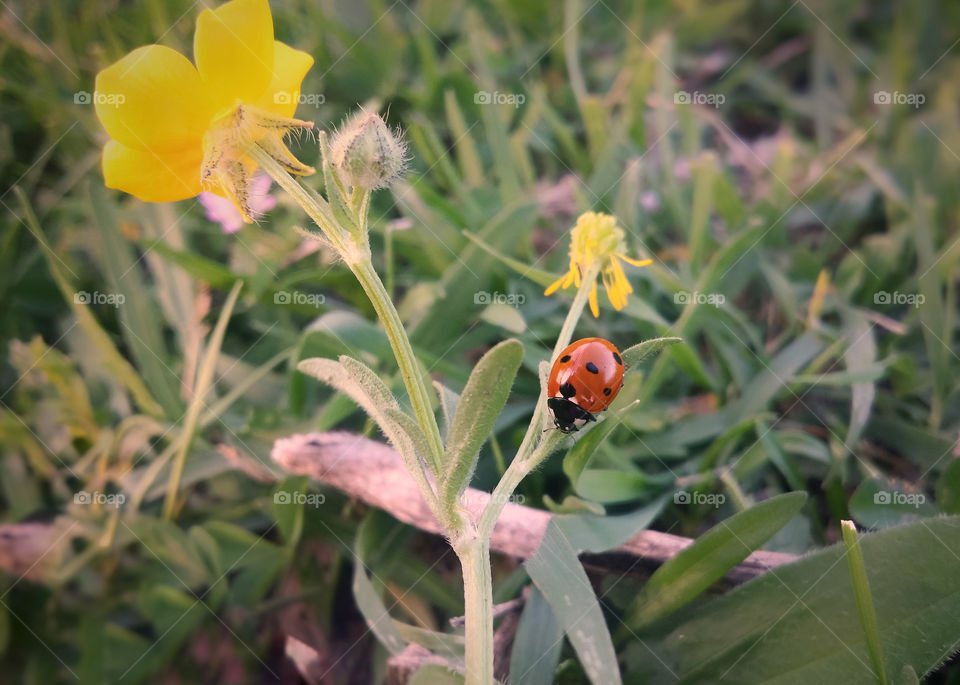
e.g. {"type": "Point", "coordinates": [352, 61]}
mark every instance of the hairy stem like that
{"type": "Point", "coordinates": [474, 555]}
{"type": "Point", "coordinates": [402, 350]}
{"type": "Point", "coordinates": [358, 259]}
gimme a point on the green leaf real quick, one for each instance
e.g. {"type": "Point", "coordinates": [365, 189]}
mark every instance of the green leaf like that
{"type": "Point", "coordinates": [202, 385]}
{"type": "Point", "coordinates": [859, 356]}
{"type": "Point", "coordinates": [141, 320]}
{"type": "Point", "coordinates": [948, 488]}
{"type": "Point", "coordinates": [609, 486]}
{"type": "Point", "coordinates": [762, 632]}
{"type": "Point", "coordinates": [466, 150]}
{"type": "Point", "coordinates": [448, 645]}
{"type": "Point", "coordinates": [368, 601]}
{"type": "Point", "coordinates": [251, 562]}
{"type": "Point", "coordinates": [367, 390]}
{"type": "Point", "coordinates": [198, 266]}
{"type": "Point", "coordinates": [504, 316]}
{"type": "Point", "coordinates": [648, 348]}
{"type": "Point", "coordinates": [596, 534]}
{"type": "Point", "coordinates": [556, 571]}
{"type": "Point", "coordinates": [480, 404]}
{"type": "Point", "coordinates": [538, 643]}
{"type": "Point", "coordinates": [111, 358]}
{"type": "Point", "coordinates": [371, 384]}
{"type": "Point", "coordinates": [710, 556]}
{"type": "Point", "coordinates": [538, 276]}
{"type": "Point", "coordinates": [288, 511]}
{"type": "Point", "coordinates": [448, 406]}
{"type": "Point", "coordinates": [580, 454]}
{"type": "Point", "coordinates": [705, 171]}
{"type": "Point", "coordinates": [435, 674]}
{"type": "Point", "coordinates": [880, 503]}
{"type": "Point", "coordinates": [336, 194]}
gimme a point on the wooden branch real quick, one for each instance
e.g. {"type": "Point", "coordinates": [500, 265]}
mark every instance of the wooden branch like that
{"type": "Point", "coordinates": [374, 473]}
{"type": "Point", "coordinates": [31, 550]}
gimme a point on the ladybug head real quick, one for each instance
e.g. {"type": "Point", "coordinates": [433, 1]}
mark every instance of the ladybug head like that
{"type": "Point", "coordinates": [568, 415]}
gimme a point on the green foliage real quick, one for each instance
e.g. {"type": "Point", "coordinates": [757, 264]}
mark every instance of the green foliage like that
{"type": "Point", "coordinates": [708, 559]}
{"type": "Point", "coordinates": [479, 406]}
{"type": "Point", "coordinates": [843, 385]}
{"type": "Point", "coordinates": [784, 615]}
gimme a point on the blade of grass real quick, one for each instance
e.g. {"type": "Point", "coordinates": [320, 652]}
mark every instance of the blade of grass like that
{"type": "Point", "coordinates": [204, 381]}
{"type": "Point", "coordinates": [861, 592]}
{"type": "Point", "coordinates": [112, 359]}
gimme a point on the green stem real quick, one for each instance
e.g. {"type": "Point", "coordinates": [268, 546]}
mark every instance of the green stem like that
{"type": "Point", "coordinates": [409, 370]}
{"type": "Point", "coordinates": [474, 555]}
{"type": "Point", "coordinates": [531, 452]}
{"type": "Point", "coordinates": [358, 259]}
{"type": "Point", "coordinates": [515, 473]}
{"type": "Point", "coordinates": [576, 309]}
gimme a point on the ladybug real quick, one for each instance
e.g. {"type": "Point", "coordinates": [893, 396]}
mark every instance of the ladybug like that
{"type": "Point", "coordinates": [584, 380]}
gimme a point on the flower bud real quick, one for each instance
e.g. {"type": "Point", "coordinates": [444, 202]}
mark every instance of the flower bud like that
{"type": "Point", "coordinates": [368, 154]}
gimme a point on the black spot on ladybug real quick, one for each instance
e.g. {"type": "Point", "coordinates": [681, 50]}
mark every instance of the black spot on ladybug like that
{"type": "Point", "coordinates": [567, 390]}
{"type": "Point", "coordinates": [616, 358]}
{"type": "Point", "coordinates": [606, 391]}
{"type": "Point", "coordinates": [564, 359]}
{"type": "Point", "coordinates": [592, 368]}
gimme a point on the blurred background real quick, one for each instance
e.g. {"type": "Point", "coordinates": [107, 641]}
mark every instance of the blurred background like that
{"type": "Point", "coordinates": [792, 169]}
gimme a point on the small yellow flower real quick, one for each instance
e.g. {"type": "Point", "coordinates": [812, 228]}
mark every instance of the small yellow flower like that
{"type": "Point", "coordinates": [177, 129]}
{"type": "Point", "coordinates": [596, 239]}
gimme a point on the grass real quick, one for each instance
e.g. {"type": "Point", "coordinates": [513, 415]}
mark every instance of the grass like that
{"type": "Point", "coordinates": [805, 244]}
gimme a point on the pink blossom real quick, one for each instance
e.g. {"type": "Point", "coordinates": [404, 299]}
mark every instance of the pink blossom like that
{"type": "Point", "coordinates": [224, 212]}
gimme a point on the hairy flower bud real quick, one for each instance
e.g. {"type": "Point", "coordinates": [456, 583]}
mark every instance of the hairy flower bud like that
{"type": "Point", "coordinates": [367, 153]}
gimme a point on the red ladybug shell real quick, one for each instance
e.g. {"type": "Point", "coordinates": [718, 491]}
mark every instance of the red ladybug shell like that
{"type": "Point", "coordinates": [589, 373]}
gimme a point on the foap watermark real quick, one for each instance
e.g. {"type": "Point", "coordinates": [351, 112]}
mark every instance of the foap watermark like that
{"type": "Point", "coordinates": [684, 97]}
{"type": "Point", "coordinates": [97, 297]}
{"type": "Point", "coordinates": [897, 498]}
{"type": "Point", "coordinates": [896, 297]}
{"type": "Point", "coordinates": [714, 500]}
{"type": "Point", "coordinates": [285, 97]}
{"type": "Point", "coordinates": [883, 97]}
{"type": "Point", "coordinates": [686, 297]}
{"type": "Point", "coordinates": [484, 97]}
{"type": "Point", "coordinates": [479, 499]}
{"type": "Point", "coordinates": [101, 498]}
{"type": "Point", "coordinates": [512, 299]}
{"type": "Point", "coordinates": [295, 297]}
{"type": "Point", "coordinates": [309, 499]}
{"type": "Point", "coordinates": [82, 97]}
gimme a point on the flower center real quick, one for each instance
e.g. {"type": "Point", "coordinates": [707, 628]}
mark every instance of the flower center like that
{"type": "Point", "coordinates": [228, 169]}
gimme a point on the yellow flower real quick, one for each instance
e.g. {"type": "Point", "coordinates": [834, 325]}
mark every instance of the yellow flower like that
{"type": "Point", "coordinates": [177, 129]}
{"type": "Point", "coordinates": [597, 240]}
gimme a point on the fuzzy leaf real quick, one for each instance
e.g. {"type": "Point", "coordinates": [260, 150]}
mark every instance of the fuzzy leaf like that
{"type": "Point", "coordinates": [480, 404]}
{"type": "Point", "coordinates": [363, 387]}
{"type": "Point", "coordinates": [636, 354]}
{"type": "Point", "coordinates": [448, 406]}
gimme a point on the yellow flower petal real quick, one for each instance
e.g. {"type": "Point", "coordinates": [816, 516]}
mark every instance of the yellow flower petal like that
{"type": "Point", "coordinates": [152, 177]}
{"type": "Point", "coordinates": [152, 99]}
{"type": "Point", "coordinates": [234, 50]}
{"type": "Point", "coordinates": [616, 270]}
{"type": "Point", "coordinates": [289, 68]}
{"type": "Point", "coordinates": [635, 262]}
{"type": "Point", "coordinates": [555, 286]}
{"type": "Point", "coordinates": [594, 306]}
